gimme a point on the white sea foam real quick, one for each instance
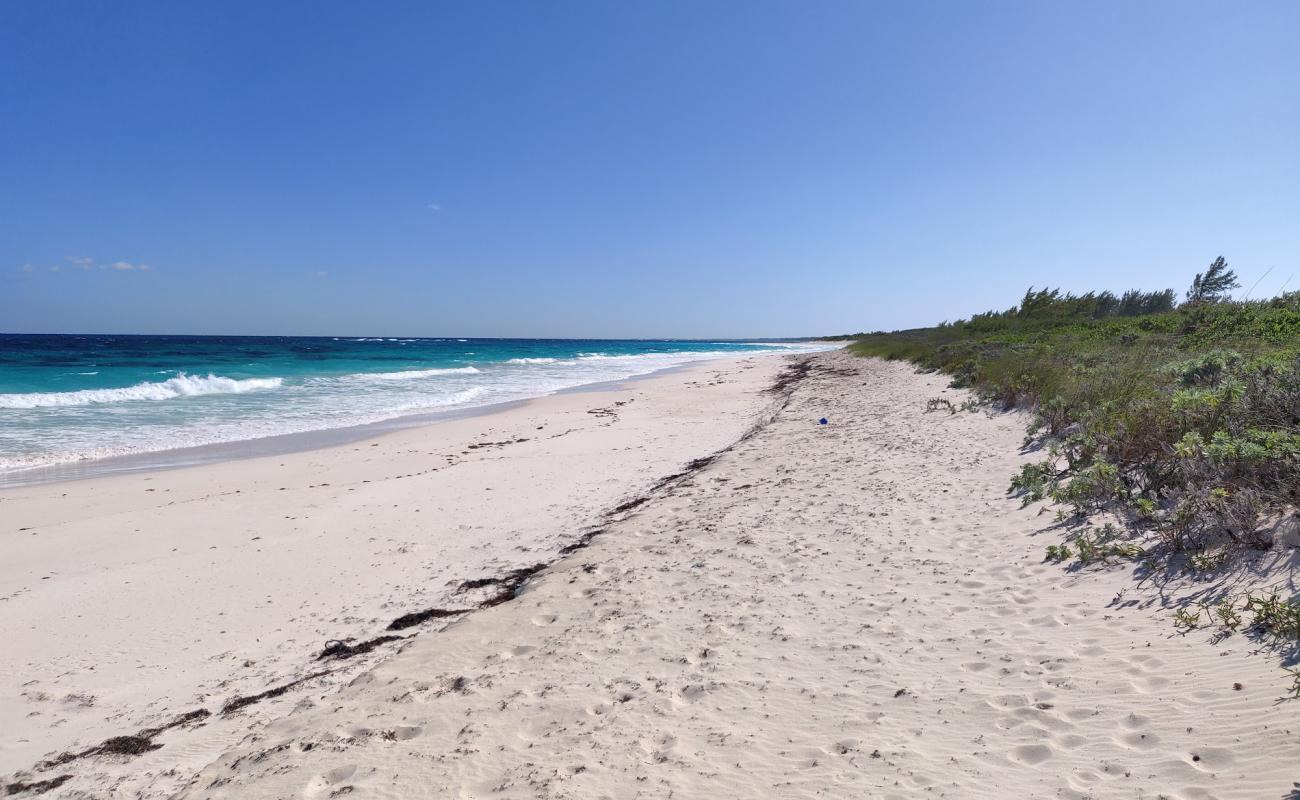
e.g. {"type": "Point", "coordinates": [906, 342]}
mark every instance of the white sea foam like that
{"type": "Point", "coordinates": [411, 374]}
{"type": "Point", "coordinates": [690, 355]}
{"type": "Point", "coordinates": [180, 386]}
{"type": "Point", "coordinates": [163, 437]}
{"type": "Point", "coordinates": [532, 361]}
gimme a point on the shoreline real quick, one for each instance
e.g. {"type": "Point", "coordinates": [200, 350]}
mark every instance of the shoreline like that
{"type": "Point", "coordinates": [856, 606]}
{"type": "Point", "coordinates": [107, 544]}
{"type": "Point", "coordinates": [302, 441]}
{"type": "Point", "coordinates": [855, 609]}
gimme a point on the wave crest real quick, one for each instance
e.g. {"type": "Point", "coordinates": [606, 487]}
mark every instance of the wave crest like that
{"type": "Point", "coordinates": [180, 386]}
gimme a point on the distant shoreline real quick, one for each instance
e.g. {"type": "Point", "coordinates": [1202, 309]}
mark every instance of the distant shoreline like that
{"type": "Point", "coordinates": [81, 406]}
{"type": "Point", "coordinates": [308, 440]}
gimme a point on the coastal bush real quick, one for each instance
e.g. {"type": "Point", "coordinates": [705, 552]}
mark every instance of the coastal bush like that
{"type": "Point", "coordinates": [1095, 545]}
{"type": "Point", "coordinates": [1182, 420]}
{"type": "Point", "coordinates": [1033, 482]}
{"type": "Point", "coordinates": [1269, 614]}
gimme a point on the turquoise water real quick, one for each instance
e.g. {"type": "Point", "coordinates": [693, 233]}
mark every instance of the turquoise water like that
{"type": "Point", "coordinates": [68, 399]}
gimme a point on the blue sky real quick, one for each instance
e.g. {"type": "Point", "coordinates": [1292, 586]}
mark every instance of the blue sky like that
{"type": "Point", "coordinates": [630, 169]}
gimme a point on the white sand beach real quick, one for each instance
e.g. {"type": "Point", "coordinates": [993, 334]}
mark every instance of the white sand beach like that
{"type": "Point", "coordinates": [127, 600]}
{"type": "Point", "coordinates": [854, 609]}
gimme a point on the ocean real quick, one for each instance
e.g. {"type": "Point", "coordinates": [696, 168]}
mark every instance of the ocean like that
{"type": "Point", "coordinates": [70, 399]}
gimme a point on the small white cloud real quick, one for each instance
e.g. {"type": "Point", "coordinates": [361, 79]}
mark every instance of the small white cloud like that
{"type": "Point", "coordinates": [27, 268]}
{"type": "Point", "coordinates": [55, 268]}
{"type": "Point", "coordinates": [434, 207]}
{"type": "Point", "coordinates": [127, 266]}
{"type": "Point", "coordinates": [321, 274]}
{"type": "Point", "coordinates": [84, 263]}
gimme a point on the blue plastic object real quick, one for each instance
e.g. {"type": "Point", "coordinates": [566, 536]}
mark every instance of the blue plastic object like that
{"type": "Point", "coordinates": [822, 421]}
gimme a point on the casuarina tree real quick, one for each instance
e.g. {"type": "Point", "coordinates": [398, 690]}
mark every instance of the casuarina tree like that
{"type": "Point", "coordinates": [1214, 285]}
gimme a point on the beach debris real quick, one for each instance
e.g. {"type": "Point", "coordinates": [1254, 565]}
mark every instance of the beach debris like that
{"type": "Point", "coordinates": [610, 411]}
{"type": "Point", "coordinates": [581, 542]}
{"type": "Point", "coordinates": [36, 787]}
{"type": "Point", "coordinates": [940, 403]}
{"type": "Point", "coordinates": [508, 584]}
{"type": "Point", "coordinates": [793, 374]}
{"type": "Point", "coordinates": [133, 745]}
{"type": "Point", "coordinates": [416, 617]}
{"type": "Point", "coordinates": [503, 443]}
{"type": "Point", "coordinates": [237, 703]}
{"type": "Point", "coordinates": [823, 421]}
{"type": "Point", "coordinates": [339, 648]}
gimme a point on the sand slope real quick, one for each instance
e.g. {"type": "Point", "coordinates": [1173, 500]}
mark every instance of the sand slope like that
{"type": "Point", "coordinates": [854, 610]}
{"type": "Point", "coordinates": [126, 601]}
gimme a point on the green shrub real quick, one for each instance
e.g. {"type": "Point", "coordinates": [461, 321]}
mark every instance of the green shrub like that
{"type": "Point", "coordinates": [1187, 420]}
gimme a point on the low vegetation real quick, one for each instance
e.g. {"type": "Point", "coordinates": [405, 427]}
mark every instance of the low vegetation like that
{"type": "Point", "coordinates": [1181, 420]}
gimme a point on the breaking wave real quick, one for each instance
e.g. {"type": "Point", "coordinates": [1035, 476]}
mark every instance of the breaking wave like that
{"type": "Point", "coordinates": [180, 386]}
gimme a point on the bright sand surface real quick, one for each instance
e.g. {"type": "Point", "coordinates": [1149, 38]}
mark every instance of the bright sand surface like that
{"type": "Point", "coordinates": [850, 610]}
{"type": "Point", "coordinates": [127, 600]}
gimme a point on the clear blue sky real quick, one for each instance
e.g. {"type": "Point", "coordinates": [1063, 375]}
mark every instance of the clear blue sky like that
{"type": "Point", "coordinates": [630, 169]}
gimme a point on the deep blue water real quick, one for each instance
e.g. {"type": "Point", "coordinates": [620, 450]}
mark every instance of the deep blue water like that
{"type": "Point", "coordinates": [69, 398]}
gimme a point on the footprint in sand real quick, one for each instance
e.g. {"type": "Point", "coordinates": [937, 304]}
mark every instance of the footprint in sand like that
{"type": "Point", "coordinates": [1138, 740]}
{"type": "Point", "coordinates": [689, 694]}
{"type": "Point", "coordinates": [1007, 701]}
{"type": "Point", "coordinates": [1149, 683]}
{"type": "Point", "coordinates": [1211, 759]}
{"type": "Point", "coordinates": [1135, 722]}
{"type": "Point", "coordinates": [518, 650]}
{"type": "Point", "coordinates": [542, 620]}
{"type": "Point", "coordinates": [660, 748]}
{"type": "Point", "coordinates": [405, 732]}
{"type": "Point", "coordinates": [570, 770]}
{"type": "Point", "coordinates": [331, 783]}
{"type": "Point", "coordinates": [842, 747]}
{"type": "Point", "coordinates": [1030, 754]}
